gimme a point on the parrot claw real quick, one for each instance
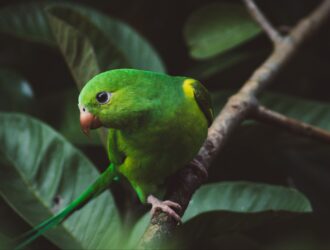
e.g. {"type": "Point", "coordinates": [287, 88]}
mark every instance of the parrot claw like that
{"type": "Point", "coordinates": [167, 207]}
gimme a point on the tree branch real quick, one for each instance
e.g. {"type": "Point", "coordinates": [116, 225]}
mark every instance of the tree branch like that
{"type": "Point", "coordinates": [238, 107]}
{"type": "Point", "coordinates": [265, 115]}
{"type": "Point", "coordinates": [259, 17]}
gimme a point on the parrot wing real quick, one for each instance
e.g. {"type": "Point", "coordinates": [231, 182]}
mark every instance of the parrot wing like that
{"type": "Point", "coordinates": [203, 100]}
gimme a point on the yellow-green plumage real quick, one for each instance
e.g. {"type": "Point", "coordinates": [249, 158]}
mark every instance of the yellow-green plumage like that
{"type": "Point", "coordinates": [156, 123]}
{"type": "Point", "coordinates": [166, 125]}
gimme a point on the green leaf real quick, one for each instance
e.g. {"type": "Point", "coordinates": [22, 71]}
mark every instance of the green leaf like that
{"type": "Point", "coordinates": [13, 225]}
{"type": "Point", "coordinates": [219, 214]}
{"type": "Point", "coordinates": [76, 47]}
{"type": "Point", "coordinates": [92, 42]}
{"type": "Point", "coordinates": [245, 197]}
{"type": "Point", "coordinates": [114, 42]}
{"type": "Point", "coordinates": [134, 47]}
{"type": "Point", "coordinates": [42, 173]}
{"type": "Point", "coordinates": [138, 231]}
{"type": "Point", "coordinates": [26, 21]}
{"type": "Point", "coordinates": [228, 230]}
{"type": "Point", "coordinates": [16, 93]}
{"type": "Point", "coordinates": [217, 28]}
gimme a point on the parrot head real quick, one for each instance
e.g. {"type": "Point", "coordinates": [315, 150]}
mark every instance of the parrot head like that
{"type": "Point", "coordinates": [114, 99]}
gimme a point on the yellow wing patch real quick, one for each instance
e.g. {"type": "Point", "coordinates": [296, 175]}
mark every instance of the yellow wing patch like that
{"type": "Point", "coordinates": [187, 88]}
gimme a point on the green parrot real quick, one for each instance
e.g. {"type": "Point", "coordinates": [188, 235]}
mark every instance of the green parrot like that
{"type": "Point", "coordinates": [156, 125]}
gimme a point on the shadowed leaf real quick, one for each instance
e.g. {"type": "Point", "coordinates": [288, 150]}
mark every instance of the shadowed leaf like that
{"type": "Point", "coordinates": [219, 214]}
{"type": "Point", "coordinates": [42, 173]}
{"type": "Point", "coordinates": [245, 197]}
{"type": "Point", "coordinates": [120, 44]}
{"type": "Point", "coordinates": [77, 49]}
{"type": "Point", "coordinates": [26, 21]}
{"type": "Point", "coordinates": [218, 27]}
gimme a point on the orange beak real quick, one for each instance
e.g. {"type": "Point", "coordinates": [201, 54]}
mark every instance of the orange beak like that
{"type": "Point", "coordinates": [88, 121]}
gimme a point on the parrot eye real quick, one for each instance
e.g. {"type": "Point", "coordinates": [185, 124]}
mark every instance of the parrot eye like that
{"type": "Point", "coordinates": [103, 97]}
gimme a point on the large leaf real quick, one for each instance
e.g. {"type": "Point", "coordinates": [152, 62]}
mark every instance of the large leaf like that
{"type": "Point", "coordinates": [230, 230]}
{"type": "Point", "coordinates": [77, 48]}
{"type": "Point", "coordinates": [218, 27]}
{"type": "Point", "coordinates": [26, 21]}
{"type": "Point", "coordinates": [122, 44]}
{"type": "Point", "coordinates": [245, 197]}
{"type": "Point", "coordinates": [132, 46]}
{"type": "Point", "coordinates": [41, 173]}
{"type": "Point", "coordinates": [138, 231]}
{"type": "Point", "coordinates": [228, 209]}
{"type": "Point", "coordinates": [13, 225]}
{"type": "Point", "coordinates": [89, 39]}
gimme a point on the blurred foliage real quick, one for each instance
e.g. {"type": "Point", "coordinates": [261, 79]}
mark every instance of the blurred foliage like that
{"type": "Point", "coordinates": [217, 28]}
{"type": "Point", "coordinates": [48, 48]}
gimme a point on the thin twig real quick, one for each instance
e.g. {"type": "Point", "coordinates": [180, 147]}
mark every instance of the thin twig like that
{"type": "Point", "coordinates": [290, 44]}
{"type": "Point", "coordinates": [264, 23]}
{"type": "Point", "coordinates": [234, 112]}
{"type": "Point", "coordinates": [265, 115]}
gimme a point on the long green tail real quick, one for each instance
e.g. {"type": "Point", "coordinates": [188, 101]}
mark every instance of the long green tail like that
{"type": "Point", "coordinates": [91, 192]}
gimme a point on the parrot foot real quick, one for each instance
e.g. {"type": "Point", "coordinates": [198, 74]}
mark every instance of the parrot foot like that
{"type": "Point", "coordinates": [167, 207]}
